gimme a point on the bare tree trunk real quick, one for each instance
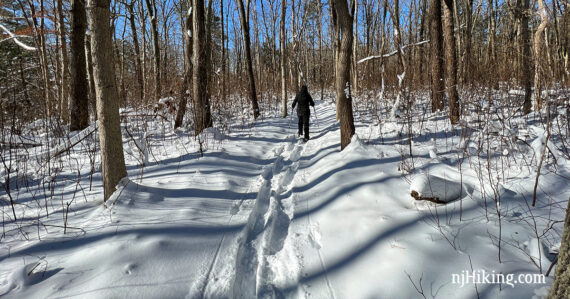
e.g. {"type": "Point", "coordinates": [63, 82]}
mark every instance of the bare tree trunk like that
{"type": "Point", "coordinates": [41, 41]}
{"type": "Point", "coordinates": [436, 42]}
{"type": "Point", "coordinates": [151, 7]}
{"type": "Point", "coordinates": [244, 20]}
{"type": "Point", "coordinates": [538, 61]}
{"type": "Point", "coordinates": [467, 63]}
{"type": "Point", "coordinates": [188, 50]}
{"type": "Point", "coordinates": [402, 67]}
{"type": "Point", "coordinates": [282, 38]}
{"type": "Point", "coordinates": [223, 51]}
{"type": "Point", "coordinates": [79, 87]}
{"type": "Point", "coordinates": [491, 49]}
{"type": "Point", "coordinates": [90, 78]}
{"type": "Point", "coordinates": [561, 285]}
{"type": "Point", "coordinates": [524, 48]}
{"type": "Point", "coordinates": [336, 48]}
{"type": "Point", "coordinates": [112, 158]}
{"type": "Point", "coordinates": [138, 64]}
{"type": "Point", "coordinates": [64, 110]}
{"type": "Point", "coordinates": [202, 115]}
{"type": "Point", "coordinates": [451, 61]}
{"type": "Point", "coordinates": [144, 66]}
{"type": "Point", "coordinates": [354, 49]}
{"type": "Point", "coordinates": [343, 89]}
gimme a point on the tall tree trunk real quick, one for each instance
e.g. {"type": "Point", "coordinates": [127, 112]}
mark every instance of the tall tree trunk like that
{"type": "Point", "coordinates": [343, 89]}
{"type": "Point", "coordinates": [244, 20]}
{"type": "Point", "coordinates": [451, 61]}
{"type": "Point", "coordinates": [202, 115]}
{"type": "Point", "coordinates": [112, 157]}
{"type": "Point", "coordinates": [144, 66]}
{"type": "Point", "coordinates": [336, 47]}
{"type": "Point", "coordinates": [561, 285]}
{"type": "Point", "coordinates": [90, 78]}
{"type": "Point", "coordinates": [436, 43]}
{"type": "Point", "coordinates": [188, 50]}
{"type": "Point", "coordinates": [138, 64]}
{"type": "Point", "coordinates": [538, 61]}
{"type": "Point", "coordinates": [223, 51]}
{"type": "Point", "coordinates": [467, 63]}
{"type": "Point", "coordinates": [151, 7]}
{"type": "Point", "coordinates": [355, 49]}
{"type": "Point", "coordinates": [64, 110]}
{"type": "Point", "coordinates": [524, 48]}
{"type": "Point", "coordinates": [282, 38]}
{"type": "Point", "coordinates": [79, 85]}
{"type": "Point", "coordinates": [491, 49]}
{"type": "Point", "coordinates": [41, 40]}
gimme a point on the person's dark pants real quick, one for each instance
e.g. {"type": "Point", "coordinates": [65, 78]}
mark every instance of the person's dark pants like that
{"type": "Point", "coordinates": [304, 123]}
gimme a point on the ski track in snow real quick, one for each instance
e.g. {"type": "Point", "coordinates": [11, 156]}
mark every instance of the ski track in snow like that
{"type": "Point", "coordinates": [267, 229]}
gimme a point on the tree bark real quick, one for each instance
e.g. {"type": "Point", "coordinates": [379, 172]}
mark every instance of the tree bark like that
{"type": "Point", "coordinates": [138, 63]}
{"type": "Point", "coordinates": [538, 67]}
{"type": "Point", "coordinates": [343, 89]}
{"type": "Point", "coordinates": [245, 29]}
{"type": "Point", "coordinates": [79, 86]}
{"type": "Point", "coordinates": [467, 63]}
{"type": "Point", "coordinates": [451, 62]}
{"type": "Point", "coordinates": [524, 48]}
{"type": "Point", "coordinates": [491, 49]}
{"type": "Point", "coordinates": [64, 110]}
{"type": "Point", "coordinates": [202, 115]}
{"type": "Point", "coordinates": [188, 50]}
{"type": "Point", "coordinates": [355, 49]}
{"type": "Point", "coordinates": [151, 7]}
{"type": "Point", "coordinates": [561, 286]}
{"type": "Point", "coordinates": [90, 78]}
{"type": "Point", "coordinates": [110, 139]}
{"type": "Point", "coordinates": [282, 38]}
{"type": "Point", "coordinates": [436, 42]}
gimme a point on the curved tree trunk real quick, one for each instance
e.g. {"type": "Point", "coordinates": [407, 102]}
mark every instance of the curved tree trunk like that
{"type": "Point", "coordinates": [112, 157]}
{"type": "Point", "coordinates": [79, 87]}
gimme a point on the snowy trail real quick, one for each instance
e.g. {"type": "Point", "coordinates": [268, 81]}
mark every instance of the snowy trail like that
{"type": "Point", "coordinates": [266, 215]}
{"type": "Point", "coordinates": [267, 228]}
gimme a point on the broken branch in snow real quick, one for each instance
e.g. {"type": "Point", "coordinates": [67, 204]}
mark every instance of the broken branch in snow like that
{"type": "Point", "coordinates": [74, 140]}
{"type": "Point", "coordinates": [16, 40]}
{"type": "Point", "coordinates": [392, 53]}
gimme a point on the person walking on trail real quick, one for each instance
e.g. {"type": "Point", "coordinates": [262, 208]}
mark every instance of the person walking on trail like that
{"type": "Point", "coordinates": [303, 99]}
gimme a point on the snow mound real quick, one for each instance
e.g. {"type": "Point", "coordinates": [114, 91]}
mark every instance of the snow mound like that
{"type": "Point", "coordinates": [21, 277]}
{"type": "Point", "coordinates": [433, 188]}
{"type": "Point", "coordinates": [119, 189]}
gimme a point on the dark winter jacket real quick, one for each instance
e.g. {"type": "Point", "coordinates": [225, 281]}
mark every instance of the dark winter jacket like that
{"type": "Point", "coordinates": [304, 99]}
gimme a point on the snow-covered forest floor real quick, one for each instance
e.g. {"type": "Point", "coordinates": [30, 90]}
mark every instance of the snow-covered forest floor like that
{"type": "Point", "coordinates": [248, 209]}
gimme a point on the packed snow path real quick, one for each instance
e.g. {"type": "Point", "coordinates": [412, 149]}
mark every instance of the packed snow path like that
{"type": "Point", "coordinates": [265, 215]}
